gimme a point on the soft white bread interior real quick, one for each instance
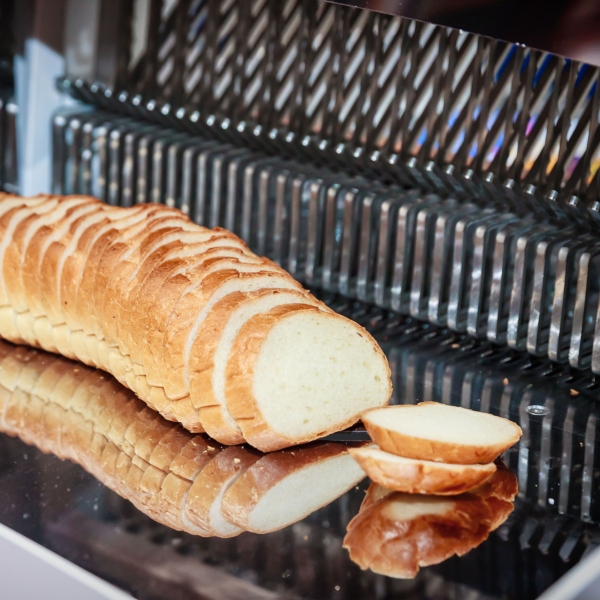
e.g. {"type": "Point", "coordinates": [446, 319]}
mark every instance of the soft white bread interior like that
{"type": "Point", "coordinates": [306, 345]}
{"type": "Point", "coordinates": [395, 534]}
{"type": "Point", "coordinates": [207, 366]}
{"type": "Point", "coordinates": [438, 432]}
{"type": "Point", "coordinates": [175, 477]}
{"type": "Point", "coordinates": [142, 293]}
{"type": "Point", "coordinates": [284, 487]}
{"type": "Point", "coordinates": [420, 476]}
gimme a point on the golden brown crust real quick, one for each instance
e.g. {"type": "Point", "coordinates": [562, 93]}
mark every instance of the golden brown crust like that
{"type": "Point", "coordinates": [409, 446]}
{"type": "Point", "coordinates": [419, 476]}
{"type": "Point", "coordinates": [184, 317]}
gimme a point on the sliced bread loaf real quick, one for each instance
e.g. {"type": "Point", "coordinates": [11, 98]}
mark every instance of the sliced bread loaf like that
{"type": "Point", "coordinates": [441, 433]}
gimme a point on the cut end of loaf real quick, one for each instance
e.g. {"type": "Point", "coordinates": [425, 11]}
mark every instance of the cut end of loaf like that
{"type": "Point", "coordinates": [316, 373]}
{"type": "Point", "coordinates": [438, 432]}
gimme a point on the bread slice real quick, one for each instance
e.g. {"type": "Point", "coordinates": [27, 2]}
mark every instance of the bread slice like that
{"type": "Point", "coordinates": [23, 233]}
{"type": "Point", "coordinates": [155, 307]}
{"type": "Point", "coordinates": [320, 393]}
{"type": "Point", "coordinates": [122, 263]}
{"type": "Point", "coordinates": [194, 306]}
{"type": "Point", "coordinates": [74, 267]}
{"type": "Point", "coordinates": [212, 348]}
{"type": "Point", "coordinates": [10, 222]}
{"type": "Point", "coordinates": [395, 534]}
{"type": "Point", "coordinates": [53, 261]}
{"type": "Point", "coordinates": [420, 476]}
{"type": "Point", "coordinates": [42, 239]}
{"type": "Point", "coordinates": [441, 433]}
{"type": "Point", "coordinates": [285, 487]}
{"type": "Point", "coordinates": [145, 281]}
{"type": "Point", "coordinates": [111, 257]}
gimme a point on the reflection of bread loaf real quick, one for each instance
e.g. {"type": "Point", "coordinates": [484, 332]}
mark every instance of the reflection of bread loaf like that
{"type": "Point", "coordinates": [172, 475]}
{"type": "Point", "coordinates": [167, 306]}
{"type": "Point", "coordinates": [420, 476]}
{"type": "Point", "coordinates": [395, 533]}
{"type": "Point", "coordinates": [441, 433]}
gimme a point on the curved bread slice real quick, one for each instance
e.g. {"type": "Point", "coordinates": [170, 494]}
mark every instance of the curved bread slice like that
{"type": "Point", "coordinates": [211, 352]}
{"type": "Point", "coordinates": [150, 277]}
{"type": "Point", "coordinates": [420, 476]}
{"type": "Point", "coordinates": [441, 433]}
{"type": "Point", "coordinates": [24, 234]}
{"type": "Point", "coordinates": [54, 258]}
{"type": "Point", "coordinates": [334, 371]}
{"type": "Point", "coordinates": [155, 308]}
{"type": "Point", "coordinates": [140, 254]}
{"type": "Point", "coordinates": [33, 275]}
{"type": "Point", "coordinates": [284, 487]}
{"type": "Point", "coordinates": [195, 305]}
{"type": "Point", "coordinates": [74, 267]}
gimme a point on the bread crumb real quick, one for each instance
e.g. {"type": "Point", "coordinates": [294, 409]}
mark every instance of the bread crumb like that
{"type": "Point", "coordinates": [574, 392]}
{"type": "Point", "coordinates": [236, 460]}
{"type": "Point", "coordinates": [505, 381]}
{"type": "Point", "coordinates": [210, 447]}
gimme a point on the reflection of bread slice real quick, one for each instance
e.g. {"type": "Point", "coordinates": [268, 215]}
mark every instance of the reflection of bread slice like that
{"type": "Point", "coordinates": [441, 433]}
{"type": "Point", "coordinates": [284, 487]}
{"type": "Point", "coordinates": [206, 496]}
{"type": "Point", "coordinates": [420, 476]}
{"type": "Point", "coordinates": [395, 533]}
{"type": "Point", "coordinates": [374, 494]}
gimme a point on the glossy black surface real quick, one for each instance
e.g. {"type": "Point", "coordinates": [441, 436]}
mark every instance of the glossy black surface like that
{"type": "Point", "coordinates": [554, 524]}
{"type": "Point", "coordinates": [566, 27]}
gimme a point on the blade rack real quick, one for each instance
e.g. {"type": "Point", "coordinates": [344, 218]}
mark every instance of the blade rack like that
{"type": "Point", "coordinates": [436, 173]}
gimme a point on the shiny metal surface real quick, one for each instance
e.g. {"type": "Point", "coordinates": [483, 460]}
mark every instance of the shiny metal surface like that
{"type": "Point", "coordinates": [561, 28]}
{"type": "Point", "coordinates": [9, 177]}
{"type": "Point", "coordinates": [423, 105]}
